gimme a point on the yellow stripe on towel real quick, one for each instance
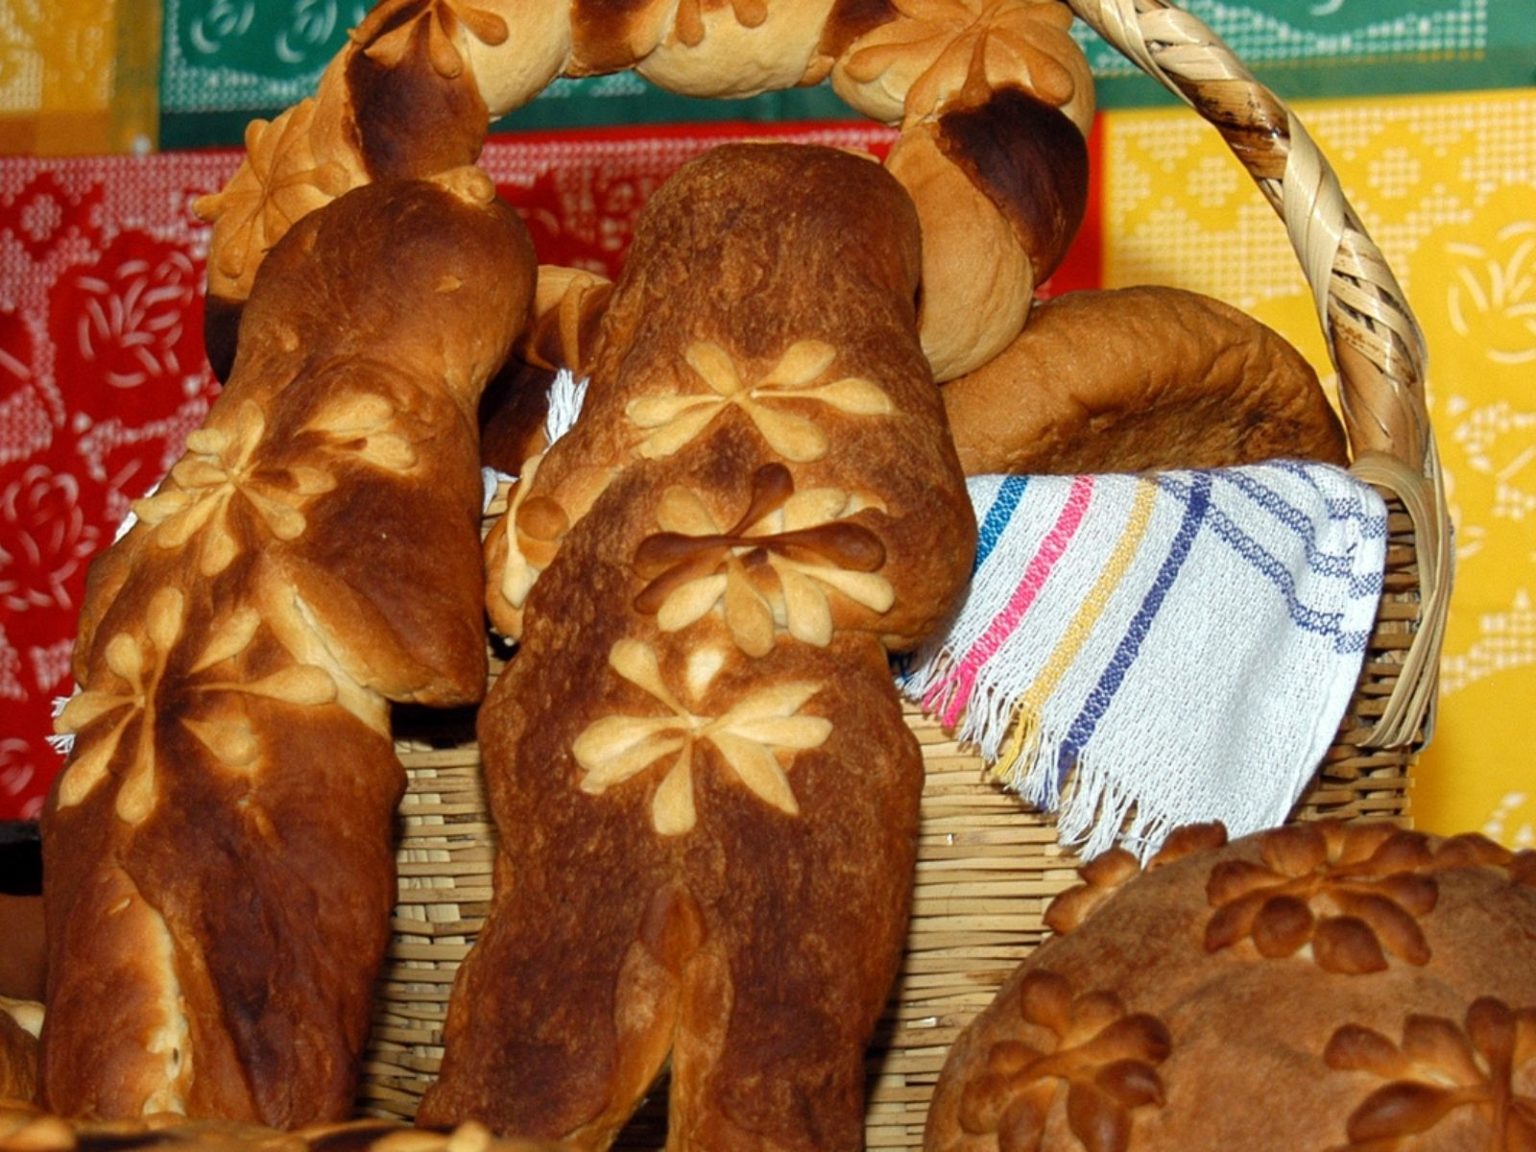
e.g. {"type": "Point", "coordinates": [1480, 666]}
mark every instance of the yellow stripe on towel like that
{"type": "Point", "coordinates": [1026, 721]}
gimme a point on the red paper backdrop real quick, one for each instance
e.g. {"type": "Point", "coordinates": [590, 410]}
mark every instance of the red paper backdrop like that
{"type": "Point", "coordinates": [102, 372]}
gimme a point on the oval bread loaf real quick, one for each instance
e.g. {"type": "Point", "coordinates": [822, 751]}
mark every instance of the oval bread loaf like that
{"type": "Point", "coordinates": [1140, 379]}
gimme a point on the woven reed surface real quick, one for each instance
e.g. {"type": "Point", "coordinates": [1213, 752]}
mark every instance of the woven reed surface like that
{"type": "Point", "coordinates": [987, 868]}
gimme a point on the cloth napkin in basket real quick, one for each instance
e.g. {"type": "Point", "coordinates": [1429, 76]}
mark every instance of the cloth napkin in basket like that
{"type": "Point", "coordinates": [1139, 652]}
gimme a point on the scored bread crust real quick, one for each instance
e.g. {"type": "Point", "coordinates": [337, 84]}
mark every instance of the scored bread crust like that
{"type": "Point", "coordinates": [1330, 986]}
{"type": "Point", "coordinates": [219, 846]}
{"type": "Point", "coordinates": [1139, 379]}
{"type": "Point", "coordinates": [706, 798]}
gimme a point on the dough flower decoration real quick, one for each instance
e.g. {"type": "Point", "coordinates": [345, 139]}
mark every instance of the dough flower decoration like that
{"type": "Point", "coordinates": [1475, 850]}
{"type": "Point", "coordinates": [219, 469]}
{"type": "Point", "coordinates": [1103, 876]}
{"type": "Point", "coordinates": [150, 683]}
{"type": "Point", "coordinates": [690, 17]}
{"type": "Point", "coordinates": [1354, 894]}
{"type": "Point", "coordinates": [770, 569]}
{"type": "Point", "coordinates": [1104, 1056]}
{"type": "Point", "coordinates": [387, 33]}
{"type": "Point", "coordinates": [673, 421]}
{"type": "Point", "coordinates": [749, 738]}
{"type": "Point", "coordinates": [916, 63]}
{"type": "Point", "coordinates": [282, 180]}
{"type": "Point", "coordinates": [363, 426]}
{"type": "Point", "coordinates": [1444, 1070]}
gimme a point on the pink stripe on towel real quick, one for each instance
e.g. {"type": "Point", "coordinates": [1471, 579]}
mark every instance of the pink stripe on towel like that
{"type": "Point", "coordinates": [955, 688]}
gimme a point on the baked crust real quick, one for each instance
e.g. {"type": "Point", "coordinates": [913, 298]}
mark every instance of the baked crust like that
{"type": "Point", "coordinates": [1318, 986]}
{"type": "Point", "coordinates": [218, 848]}
{"type": "Point", "coordinates": [993, 103]}
{"type": "Point", "coordinates": [1140, 379]}
{"type": "Point", "coordinates": [705, 795]}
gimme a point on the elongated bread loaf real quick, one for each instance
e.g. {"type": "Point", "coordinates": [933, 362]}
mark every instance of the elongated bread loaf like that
{"type": "Point", "coordinates": [705, 794]}
{"type": "Point", "coordinates": [24, 1127]}
{"type": "Point", "coordinates": [218, 849]}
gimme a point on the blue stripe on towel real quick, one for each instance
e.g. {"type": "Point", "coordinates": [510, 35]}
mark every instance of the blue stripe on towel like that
{"type": "Point", "coordinates": [1262, 561]}
{"type": "Point", "coordinates": [1352, 507]}
{"type": "Point", "coordinates": [1114, 674]}
{"type": "Point", "coordinates": [1287, 514]}
{"type": "Point", "coordinates": [1009, 493]}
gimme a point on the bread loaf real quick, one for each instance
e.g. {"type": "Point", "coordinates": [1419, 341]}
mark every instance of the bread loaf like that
{"type": "Point", "coordinates": [20, 1022]}
{"type": "Point", "coordinates": [218, 848]}
{"type": "Point", "coordinates": [705, 794]}
{"type": "Point", "coordinates": [992, 101]}
{"type": "Point", "coordinates": [29, 1129]}
{"type": "Point", "coordinates": [1323, 986]}
{"type": "Point", "coordinates": [568, 306]}
{"type": "Point", "coordinates": [1140, 379]}
{"type": "Point", "coordinates": [21, 961]}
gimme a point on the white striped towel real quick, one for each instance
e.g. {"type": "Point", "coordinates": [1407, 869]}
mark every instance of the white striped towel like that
{"type": "Point", "coordinates": [1140, 652]}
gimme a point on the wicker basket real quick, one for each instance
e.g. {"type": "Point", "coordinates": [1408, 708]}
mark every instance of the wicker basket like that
{"type": "Point", "coordinates": [988, 866]}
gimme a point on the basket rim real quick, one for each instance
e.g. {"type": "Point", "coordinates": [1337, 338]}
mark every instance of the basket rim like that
{"type": "Point", "coordinates": [1373, 339]}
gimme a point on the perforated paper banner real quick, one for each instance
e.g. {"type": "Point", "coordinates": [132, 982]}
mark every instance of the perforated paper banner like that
{"type": "Point", "coordinates": [1313, 48]}
{"type": "Point", "coordinates": [225, 61]}
{"type": "Point", "coordinates": [78, 76]}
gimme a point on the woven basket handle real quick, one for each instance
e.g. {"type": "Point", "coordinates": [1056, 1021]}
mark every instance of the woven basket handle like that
{"type": "Point", "coordinates": [1373, 339]}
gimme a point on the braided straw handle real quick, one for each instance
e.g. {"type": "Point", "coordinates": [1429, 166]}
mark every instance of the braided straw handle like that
{"type": "Point", "coordinates": [1373, 338]}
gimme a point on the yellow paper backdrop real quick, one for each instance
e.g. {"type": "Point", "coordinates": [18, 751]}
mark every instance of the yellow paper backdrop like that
{"type": "Point", "coordinates": [1446, 185]}
{"type": "Point", "coordinates": [78, 77]}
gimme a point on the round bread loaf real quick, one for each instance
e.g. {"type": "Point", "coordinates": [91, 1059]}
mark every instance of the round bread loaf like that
{"type": "Point", "coordinates": [1137, 379]}
{"type": "Point", "coordinates": [1320, 986]}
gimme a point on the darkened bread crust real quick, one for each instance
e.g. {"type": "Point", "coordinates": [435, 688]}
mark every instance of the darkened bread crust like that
{"type": "Point", "coordinates": [1137, 379]}
{"type": "Point", "coordinates": [705, 795]}
{"type": "Point", "coordinates": [21, 960]}
{"type": "Point", "coordinates": [218, 850]}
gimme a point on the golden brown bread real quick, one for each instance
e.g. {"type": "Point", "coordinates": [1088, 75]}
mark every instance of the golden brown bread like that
{"type": "Point", "coordinates": [568, 307]}
{"type": "Point", "coordinates": [993, 101]}
{"type": "Point", "coordinates": [25, 1128]}
{"type": "Point", "coordinates": [218, 848]}
{"type": "Point", "coordinates": [705, 794]}
{"type": "Point", "coordinates": [1323, 986]}
{"type": "Point", "coordinates": [22, 959]}
{"type": "Point", "coordinates": [20, 1021]}
{"type": "Point", "coordinates": [1137, 379]}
